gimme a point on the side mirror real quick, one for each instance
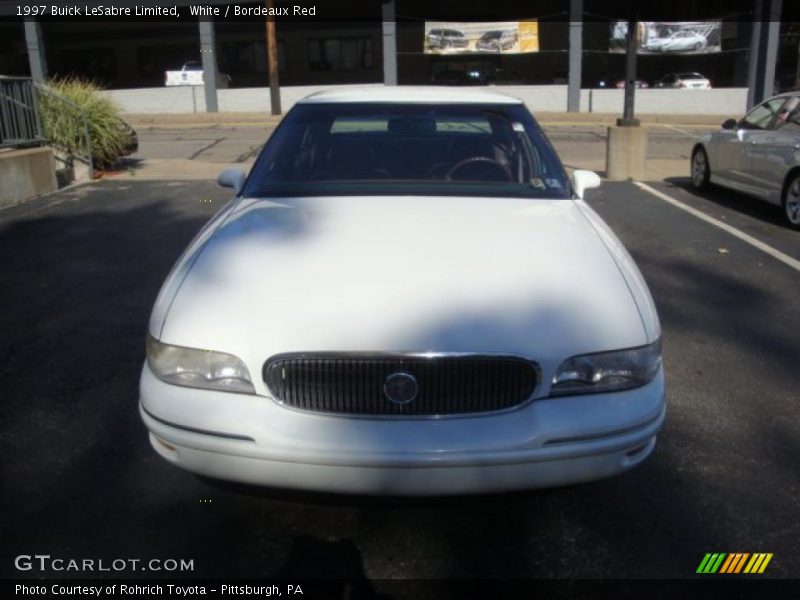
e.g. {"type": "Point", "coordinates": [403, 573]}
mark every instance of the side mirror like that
{"type": "Point", "coordinates": [584, 180]}
{"type": "Point", "coordinates": [730, 124]}
{"type": "Point", "coordinates": [232, 178]}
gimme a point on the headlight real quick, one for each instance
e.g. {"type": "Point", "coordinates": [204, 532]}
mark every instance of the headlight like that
{"type": "Point", "coordinates": [607, 371]}
{"type": "Point", "coordinates": [198, 368]}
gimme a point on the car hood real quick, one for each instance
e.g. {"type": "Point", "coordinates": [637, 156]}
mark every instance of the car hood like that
{"type": "Point", "coordinates": [441, 274]}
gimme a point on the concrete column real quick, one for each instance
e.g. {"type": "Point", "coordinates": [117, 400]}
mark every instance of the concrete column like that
{"type": "Point", "coordinates": [575, 55]}
{"type": "Point", "coordinates": [753, 55]}
{"type": "Point", "coordinates": [35, 43]}
{"type": "Point", "coordinates": [626, 153]}
{"type": "Point", "coordinates": [389, 43]}
{"type": "Point", "coordinates": [763, 50]}
{"type": "Point", "coordinates": [773, 31]}
{"type": "Point", "coordinates": [209, 55]}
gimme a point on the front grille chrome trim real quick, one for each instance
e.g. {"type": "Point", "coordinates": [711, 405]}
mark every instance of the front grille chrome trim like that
{"type": "Point", "coordinates": [397, 356]}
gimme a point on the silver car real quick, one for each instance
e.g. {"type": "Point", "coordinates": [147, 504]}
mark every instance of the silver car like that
{"type": "Point", "coordinates": [758, 155]}
{"type": "Point", "coordinates": [446, 39]}
{"type": "Point", "coordinates": [682, 41]}
{"type": "Point", "coordinates": [689, 81]}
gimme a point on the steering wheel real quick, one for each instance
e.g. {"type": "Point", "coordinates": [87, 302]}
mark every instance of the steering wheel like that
{"type": "Point", "coordinates": [482, 161]}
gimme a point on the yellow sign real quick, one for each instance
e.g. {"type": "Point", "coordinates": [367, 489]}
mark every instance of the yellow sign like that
{"type": "Point", "coordinates": [499, 37]}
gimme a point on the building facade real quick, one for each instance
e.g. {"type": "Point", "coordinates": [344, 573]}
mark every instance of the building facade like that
{"type": "Point", "coordinates": [136, 54]}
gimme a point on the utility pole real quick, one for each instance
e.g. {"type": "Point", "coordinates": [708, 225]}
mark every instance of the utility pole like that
{"type": "Point", "coordinates": [272, 62]}
{"type": "Point", "coordinates": [626, 148]}
{"type": "Point", "coordinates": [628, 119]}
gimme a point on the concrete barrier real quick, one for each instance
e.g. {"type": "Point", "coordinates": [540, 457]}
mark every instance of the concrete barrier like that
{"type": "Point", "coordinates": [26, 173]}
{"type": "Point", "coordinates": [722, 101]}
{"type": "Point", "coordinates": [538, 98]}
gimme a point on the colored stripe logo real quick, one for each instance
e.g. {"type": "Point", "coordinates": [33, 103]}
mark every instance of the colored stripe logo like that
{"type": "Point", "coordinates": [735, 562]}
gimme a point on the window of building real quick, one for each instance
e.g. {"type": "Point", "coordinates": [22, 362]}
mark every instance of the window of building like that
{"type": "Point", "coordinates": [99, 64]}
{"type": "Point", "coordinates": [249, 57]}
{"type": "Point", "coordinates": [154, 60]}
{"type": "Point", "coordinates": [340, 54]}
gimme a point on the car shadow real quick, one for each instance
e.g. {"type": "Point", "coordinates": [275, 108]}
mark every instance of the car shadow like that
{"type": "Point", "coordinates": [730, 199]}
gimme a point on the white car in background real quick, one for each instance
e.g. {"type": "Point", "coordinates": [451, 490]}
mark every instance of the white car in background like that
{"type": "Point", "coordinates": [407, 295]}
{"type": "Point", "coordinates": [682, 41]}
{"type": "Point", "coordinates": [758, 155]}
{"type": "Point", "coordinates": [688, 81]}
{"type": "Point", "coordinates": [191, 73]}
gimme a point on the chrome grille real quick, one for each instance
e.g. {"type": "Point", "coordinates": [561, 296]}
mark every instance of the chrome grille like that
{"type": "Point", "coordinates": [354, 383]}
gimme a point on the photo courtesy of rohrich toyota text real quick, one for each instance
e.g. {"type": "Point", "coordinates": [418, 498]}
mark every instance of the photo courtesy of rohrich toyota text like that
{"type": "Point", "coordinates": [156, 589]}
{"type": "Point", "coordinates": [399, 299]}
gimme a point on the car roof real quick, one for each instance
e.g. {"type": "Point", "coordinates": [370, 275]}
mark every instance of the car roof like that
{"type": "Point", "coordinates": [408, 94]}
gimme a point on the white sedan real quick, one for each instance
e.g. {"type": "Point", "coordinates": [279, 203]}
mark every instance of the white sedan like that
{"type": "Point", "coordinates": [682, 41]}
{"type": "Point", "coordinates": [407, 295]}
{"type": "Point", "coordinates": [758, 155]}
{"type": "Point", "coordinates": [687, 81]}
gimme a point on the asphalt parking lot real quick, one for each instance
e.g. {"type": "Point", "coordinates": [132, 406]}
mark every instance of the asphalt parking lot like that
{"type": "Point", "coordinates": [240, 142]}
{"type": "Point", "coordinates": [80, 271]}
{"type": "Point", "coordinates": [189, 150]}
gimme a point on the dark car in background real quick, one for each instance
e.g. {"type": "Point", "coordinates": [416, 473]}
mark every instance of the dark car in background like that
{"type": "Point", "coordinates": [445, 39]}
{"type": "Point", "coordinates": [130, 146]}
{"type": "Point", "coordinates": [640, 84]}
{"type": "Point", "coordinates": [497, 41]}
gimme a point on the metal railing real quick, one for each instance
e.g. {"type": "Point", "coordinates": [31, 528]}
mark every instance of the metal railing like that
{"type": "Point", "coordinates": [28, 111]}
{"type": "Point", "coordinates": [19, 115]}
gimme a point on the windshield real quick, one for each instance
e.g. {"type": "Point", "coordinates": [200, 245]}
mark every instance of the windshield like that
{"type": "Point", "coordinates": [408, 149]}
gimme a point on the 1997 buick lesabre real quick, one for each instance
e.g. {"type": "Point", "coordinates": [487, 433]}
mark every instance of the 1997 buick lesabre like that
{"type": "Point", "coordinates": [407, 295]}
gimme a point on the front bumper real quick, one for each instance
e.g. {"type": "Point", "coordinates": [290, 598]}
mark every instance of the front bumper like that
{"type": "Point", "coordinates": [548, 442]}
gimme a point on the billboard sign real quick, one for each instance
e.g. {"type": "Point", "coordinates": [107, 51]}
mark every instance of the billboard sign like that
{"type": "Point", "coordinates": [695, 37]}
{"type": "Point", "coordinates": [507, 37]}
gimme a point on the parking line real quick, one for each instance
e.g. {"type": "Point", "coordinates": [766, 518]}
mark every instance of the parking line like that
{"type": "Point", "coordinates": [681, 131]}
{"type": "Point", "coordinates": [777, 254]}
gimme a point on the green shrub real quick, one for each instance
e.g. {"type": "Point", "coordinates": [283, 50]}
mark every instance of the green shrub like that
{"type": "Point", "coordinates": [64, 125]}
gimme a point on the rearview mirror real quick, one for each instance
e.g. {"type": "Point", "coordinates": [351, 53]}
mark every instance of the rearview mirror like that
{"type": "Point", "coordinates": [584, 180]}
{"type": "Point", "coordinates": [232, 178]}
{"type": "Point", "coordinates": [730, 124]}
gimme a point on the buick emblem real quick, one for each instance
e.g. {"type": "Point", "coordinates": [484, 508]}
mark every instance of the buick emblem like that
{"type": "Point", "coordinates": [400, 388]}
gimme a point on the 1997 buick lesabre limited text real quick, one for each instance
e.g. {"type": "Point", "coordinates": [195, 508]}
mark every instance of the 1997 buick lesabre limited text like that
{"type": "Point", "coordinates": [100, 10]}
{"type": "Point", "coordinates": [407, 295]}
{"type": "Point", "coordinates": [195, 10]}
